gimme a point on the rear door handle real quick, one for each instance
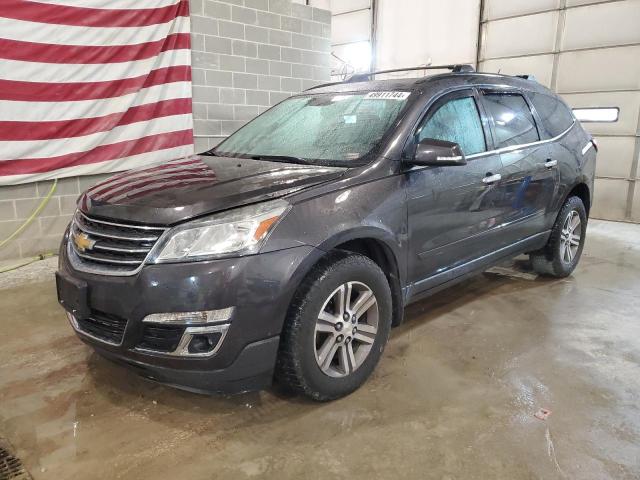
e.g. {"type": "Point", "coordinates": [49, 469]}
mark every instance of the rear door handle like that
{"type": "Point", "coordinates": [550, 163]}
{"type": "Point", "coordinates": [491, 179]}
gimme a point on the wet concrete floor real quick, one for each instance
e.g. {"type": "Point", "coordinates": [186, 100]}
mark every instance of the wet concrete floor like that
{"type": "Point", "coordinates": [454, 396]}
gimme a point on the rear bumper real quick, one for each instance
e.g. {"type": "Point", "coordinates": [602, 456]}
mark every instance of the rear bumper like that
{"type": "Point", "coordinates": [259, 287]}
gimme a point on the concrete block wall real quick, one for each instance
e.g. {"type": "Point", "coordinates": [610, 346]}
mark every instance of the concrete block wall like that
{"type": "Point", "coordinates": [17, 202]}
{"type": "Point", "coordinates": [248, 55]}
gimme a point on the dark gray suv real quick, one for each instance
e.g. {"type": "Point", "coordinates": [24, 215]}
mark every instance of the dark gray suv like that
{"type": "Point", "coordinates": [290, 250]}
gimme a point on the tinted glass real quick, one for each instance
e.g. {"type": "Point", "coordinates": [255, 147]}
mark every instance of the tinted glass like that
{"type": "Point", "coordinates": [555, 116]}
{"type": "Point", "coordinates": [456, 121]}
{"type": "Point", "coordinates": [514, 124]}
{"type": "Point", "coordinates": [321, 128]}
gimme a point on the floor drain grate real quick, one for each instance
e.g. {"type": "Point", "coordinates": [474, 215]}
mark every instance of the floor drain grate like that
{"type": "Point", "coordinates": [10, 466]}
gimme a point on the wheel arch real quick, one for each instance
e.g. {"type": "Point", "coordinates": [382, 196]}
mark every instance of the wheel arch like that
{"type": "Point", "coordinates": [582, 191]}
{"type": "Point", "coordinates": [377, 246]}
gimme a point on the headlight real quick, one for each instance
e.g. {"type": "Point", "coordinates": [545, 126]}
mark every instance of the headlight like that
{"type": "Point", "coordinates": [238, 232]}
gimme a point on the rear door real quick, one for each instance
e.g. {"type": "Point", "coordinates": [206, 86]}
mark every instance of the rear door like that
{"type": "Point", "coordinates": [554, 120]}
{"type": "Point", "coordinates": [529, 176]}
{"type": "Point", "coordinates": [452, 209]}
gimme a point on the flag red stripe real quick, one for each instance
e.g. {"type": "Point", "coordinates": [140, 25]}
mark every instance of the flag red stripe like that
{"type": "Point", "coordinates": [101, 153]}
{"type": "Point", "coordinates": [22, 131]}
{"type": "Point", "coordinates": [89, 54]}
{"type": "Point", "coordinates": [116, 180]}
{"type": "Point", "coordinates": [182, 183]}
{"type": "Point", "coordinates": [90, 17]}
{"type": "Point", "coordinates": [67, 92]}
{"type": "Point", "coordinates": [132, 188]}
{"type": "Point", "coordinates": [142, 181]}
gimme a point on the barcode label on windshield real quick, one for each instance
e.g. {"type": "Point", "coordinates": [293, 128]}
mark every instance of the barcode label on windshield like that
{"type": "Point", "coordinates": [387, 95]}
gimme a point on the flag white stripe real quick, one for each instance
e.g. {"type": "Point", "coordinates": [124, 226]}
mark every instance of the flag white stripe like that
{"type": "Point", "coordinates": [113, 4]}
{"type": "Point", "coordinates": [113, 166]}
{"type": "Point", "coordinates": [49, 33]}
{"type": "Point", "coordinates": [16, 150]}
{"type": "Point", "coordinates": [102, 72]}
{"type": "Point", "coordinates": [19, 111]}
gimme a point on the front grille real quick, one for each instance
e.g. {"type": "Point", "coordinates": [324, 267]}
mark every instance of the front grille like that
{"type": "Point", "coordinates": [161, 338]}
{"type": "Point", "coordinates": [103, 326]}
{"type": "Point", "coordinates": [111, 247]}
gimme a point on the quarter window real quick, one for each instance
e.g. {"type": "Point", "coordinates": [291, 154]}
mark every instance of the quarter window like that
{"type": "Point", "coordinates": [555, 116]}
{"type": "Point", "coordinates": [456, 121]}
{"type": "Point", "coordinates": [514, 124]}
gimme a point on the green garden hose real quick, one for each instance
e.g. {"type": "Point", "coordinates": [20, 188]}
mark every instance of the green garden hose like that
{"type": "Point", "coordinates": [42, 256]}
{"type": "Point", "coordinates": [26, 223]}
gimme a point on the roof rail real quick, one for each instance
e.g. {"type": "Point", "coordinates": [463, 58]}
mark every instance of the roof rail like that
{"type": "Point", "coordinates": [456, 68]}
{"type": "Point", "coordinates": [363, 77]}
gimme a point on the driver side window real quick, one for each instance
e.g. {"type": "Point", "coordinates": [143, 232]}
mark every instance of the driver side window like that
{"type": "Point", "coordinates": [456, 121]}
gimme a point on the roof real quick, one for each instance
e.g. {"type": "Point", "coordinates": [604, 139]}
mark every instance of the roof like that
{"type": "Point", "coordinates": [419, 83]}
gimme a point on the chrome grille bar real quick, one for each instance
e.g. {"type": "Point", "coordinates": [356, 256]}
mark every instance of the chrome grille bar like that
{"type": "Point", "coordinates": [105, 234]}
{"type": "Point", "coordinates": [97, 258]}
{"type": "Point", "coordinates": [110, 248]}
{"type": "Point", "coordinates": [122, 225]}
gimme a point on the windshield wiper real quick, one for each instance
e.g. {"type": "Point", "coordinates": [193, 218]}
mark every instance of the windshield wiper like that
{"type": "Point", "coordinates": [210, 153]}
{"type": "Point", "coordinates": [281, 158]}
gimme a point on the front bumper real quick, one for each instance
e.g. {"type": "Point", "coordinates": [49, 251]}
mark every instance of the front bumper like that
{"type": "Point", "coordinates": [259, 287]}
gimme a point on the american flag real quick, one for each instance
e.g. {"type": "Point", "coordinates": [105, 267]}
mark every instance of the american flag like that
{"type": "Point", "coordinates": [101, 87]}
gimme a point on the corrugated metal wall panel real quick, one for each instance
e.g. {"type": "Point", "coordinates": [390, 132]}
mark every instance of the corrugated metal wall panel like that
{"type": "Point", "coordinates": [589, 51]}
{"type": "Point", "coordinates": [613, 23]}
{"type": "Point", "coordinates": [611, 199]}
{"type": "Point", "coordinates": [499, 9]}
{"type": "Point", "coordinates": [602, 69]}
{"type": "Point", "coordinates": [540, 66]}
{"type": "Point", "coordinates": [628, 102]}
{"type": "Point", "coordinates": [613, 156]}
{"type": "Point", "coordinates": [351, 27]}
{"type": "Point", "coordinates": [527, 35]}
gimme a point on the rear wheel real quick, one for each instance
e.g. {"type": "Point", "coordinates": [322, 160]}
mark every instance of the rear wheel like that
{"type": "Point", "coordinates": [336, 329]}
{"type": "Point", "coordinates": [561, 254]}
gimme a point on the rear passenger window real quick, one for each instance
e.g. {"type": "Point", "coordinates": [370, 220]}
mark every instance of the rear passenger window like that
{"type": "Point", "coordinates": [514, 124]}
{"type": "Point", "coordinates": [555, 116]}
{"type": "Point", "coordinates": [456, 121]}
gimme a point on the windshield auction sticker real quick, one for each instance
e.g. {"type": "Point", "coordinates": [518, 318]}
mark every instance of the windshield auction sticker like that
{"type": "Point", "coordinates": [387, 95]}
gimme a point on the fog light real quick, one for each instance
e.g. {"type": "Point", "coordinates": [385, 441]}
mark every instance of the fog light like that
{"type": "Point", "coordinates": [204, 343]}
{"type": "Point", "coordinates": [191, 318]}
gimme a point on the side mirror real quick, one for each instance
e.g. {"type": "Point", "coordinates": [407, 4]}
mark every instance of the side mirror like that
{"type": "Point", "coordinates": [438, 153]}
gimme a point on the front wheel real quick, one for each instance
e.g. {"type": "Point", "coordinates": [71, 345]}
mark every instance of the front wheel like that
{"type": "Point", "coordinates": [563, 250]}
{"type": "Point", "coordinates": [336, 329]}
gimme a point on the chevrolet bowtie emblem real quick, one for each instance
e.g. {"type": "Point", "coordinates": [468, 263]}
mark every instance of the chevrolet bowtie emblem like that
{"type": "Point", "coordinates": [83, 242]}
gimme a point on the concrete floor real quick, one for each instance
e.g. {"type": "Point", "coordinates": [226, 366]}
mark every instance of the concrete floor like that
{"type": "Point", "coordinates": [454, 396]}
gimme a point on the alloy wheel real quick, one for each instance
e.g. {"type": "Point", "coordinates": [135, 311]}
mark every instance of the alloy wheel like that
{"type": "Point", "coordinates": [570, 237]}
{"type": "Point", "coordinates": [346, 329]}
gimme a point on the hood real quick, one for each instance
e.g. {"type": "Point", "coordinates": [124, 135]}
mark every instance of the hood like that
{"type": "Point", "coordinates": [179, 190]}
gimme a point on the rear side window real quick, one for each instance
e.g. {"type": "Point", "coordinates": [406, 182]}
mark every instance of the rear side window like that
{"type": "Point", "coordinates": [555, 116]}
{"type": "Point", "coordinates": [514, 124]}
{"type": "Point", "coordinates": [456, 121]}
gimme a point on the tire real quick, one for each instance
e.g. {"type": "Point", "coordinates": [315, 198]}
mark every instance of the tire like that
{"type": "Point", "coordinates": [554, 260]}
{"type": "Point", "coordinates": [304, 365]}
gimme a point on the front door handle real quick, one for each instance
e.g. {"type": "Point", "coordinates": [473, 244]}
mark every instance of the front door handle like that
{"type": "Point", "coordinates": [491, 179]}
{"type": "Point", "coordinates": [550, 163]}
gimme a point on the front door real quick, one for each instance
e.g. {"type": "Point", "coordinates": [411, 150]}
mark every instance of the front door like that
{"type": "Point", "coordinates": [529, 178]}
{"type": "Point", "coordinates": [453, 209]}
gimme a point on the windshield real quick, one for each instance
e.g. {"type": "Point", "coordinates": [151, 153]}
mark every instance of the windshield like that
{"type": "Point", "coordinates": [322, 128]}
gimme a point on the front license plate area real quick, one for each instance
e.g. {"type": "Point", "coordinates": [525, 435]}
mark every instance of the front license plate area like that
{"type": "Point", "coordinates": [73, 295]}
